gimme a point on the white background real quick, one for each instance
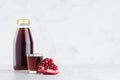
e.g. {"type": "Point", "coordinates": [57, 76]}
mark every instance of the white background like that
{"type": "Point", "coordinates": [70, 31]}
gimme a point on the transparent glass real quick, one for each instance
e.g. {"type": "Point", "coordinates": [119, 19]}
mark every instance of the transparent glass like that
{"type": "Point", "coordinates": [23, 43]}
{"type": "Point", "coordinates": [33, 60]}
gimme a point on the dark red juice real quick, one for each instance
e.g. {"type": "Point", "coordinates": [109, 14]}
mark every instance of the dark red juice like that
{"type": "Point", "coordinates": [23, 44]}
{"type": "Point", "coordinates": [33, 62]}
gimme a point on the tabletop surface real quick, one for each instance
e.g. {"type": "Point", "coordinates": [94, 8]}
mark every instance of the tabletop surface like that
{"type": "Point", "coordinates": [68, 72]}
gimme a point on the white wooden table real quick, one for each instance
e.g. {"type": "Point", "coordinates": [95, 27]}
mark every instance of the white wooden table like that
{"type": "Point", "coordinates": [67, 72]}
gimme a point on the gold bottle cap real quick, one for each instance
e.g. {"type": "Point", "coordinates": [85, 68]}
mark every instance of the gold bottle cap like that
{"type": "Point", "coordinates": [23, 22]}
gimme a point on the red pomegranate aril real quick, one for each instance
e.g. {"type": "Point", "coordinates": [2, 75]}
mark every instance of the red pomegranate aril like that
{"type": "Point", "coordinates": [50, 61]}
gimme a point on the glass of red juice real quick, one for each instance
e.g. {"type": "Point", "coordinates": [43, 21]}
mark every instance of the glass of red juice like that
{"type": "Point", "coordinates": [32, 61]}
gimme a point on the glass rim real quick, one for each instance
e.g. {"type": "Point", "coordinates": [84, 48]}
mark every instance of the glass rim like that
{"type": "Point", "coordinates": [34, 54]}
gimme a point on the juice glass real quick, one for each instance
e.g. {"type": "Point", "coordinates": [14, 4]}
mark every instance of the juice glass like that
{"type": "Point", "coordinates": [32, 61]}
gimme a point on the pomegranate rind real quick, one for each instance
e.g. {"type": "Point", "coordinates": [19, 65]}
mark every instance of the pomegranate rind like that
{"type": "Point", "coordinates": [47, 71]}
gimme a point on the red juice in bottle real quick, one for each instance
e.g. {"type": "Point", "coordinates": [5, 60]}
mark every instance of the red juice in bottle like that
{"type": "Point", "coordinates": [23, 44]}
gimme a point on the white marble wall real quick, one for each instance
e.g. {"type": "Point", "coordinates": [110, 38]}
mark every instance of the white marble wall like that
{"type": "Point", "coordinates": [71, 31]}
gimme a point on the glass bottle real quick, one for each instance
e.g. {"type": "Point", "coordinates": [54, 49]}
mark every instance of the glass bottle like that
{"type": "Point", "coordinates": [23, 44]}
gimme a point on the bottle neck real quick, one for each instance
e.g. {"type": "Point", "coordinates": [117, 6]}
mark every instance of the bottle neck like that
{"type": "Point", "coordinates": [23, 26]}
